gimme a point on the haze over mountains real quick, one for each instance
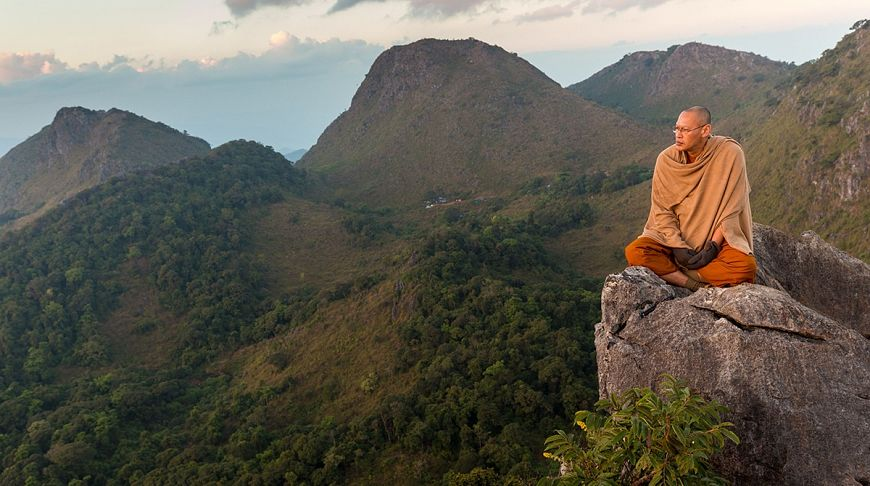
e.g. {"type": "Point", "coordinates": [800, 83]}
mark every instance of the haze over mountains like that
{"type": "Point", "coordinates": [233, 317]}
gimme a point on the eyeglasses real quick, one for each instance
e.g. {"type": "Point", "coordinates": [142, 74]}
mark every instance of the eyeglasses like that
{"type": "Point", "coordinates": [687, 130]}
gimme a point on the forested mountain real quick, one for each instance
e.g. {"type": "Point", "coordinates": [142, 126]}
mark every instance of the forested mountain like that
{"type": "Point", "coordinates": [465, 119]}
{"type": "Point", "coordinates": [202, 323]}
{"type": "Point", "coordinates": [652, 86]}
{"type": "Point", "coordinates": [810, 159]}
{"type": "Point", "coordinates": [82, 148]}
{"type": "Point", "coordinates": [234, 318]}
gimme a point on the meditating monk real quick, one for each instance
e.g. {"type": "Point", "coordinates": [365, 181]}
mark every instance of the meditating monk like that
{"type": "Point", "coordinates": [699, 230]}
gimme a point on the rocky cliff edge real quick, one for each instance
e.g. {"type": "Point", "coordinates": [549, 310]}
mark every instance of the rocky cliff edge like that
{"type": "Point", "coordinates": [789, 357]}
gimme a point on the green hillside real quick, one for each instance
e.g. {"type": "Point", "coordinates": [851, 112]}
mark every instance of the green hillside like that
{"type": "Point", "coordinates": [652, 86]}
{"type": "Point", "coordinates": [236, 319]}
{"type": "Point", "coordinates": [464, 119]}
{"type": "Point", "coordinates": [210, 321]}
{"type": "Point", "coordinates": [811, 158]}
{"type": "Point", "coordinates": [80, 149]}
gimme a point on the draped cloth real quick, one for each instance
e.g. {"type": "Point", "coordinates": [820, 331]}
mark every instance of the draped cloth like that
{"type": "Point", "coordinates": [689, 201]}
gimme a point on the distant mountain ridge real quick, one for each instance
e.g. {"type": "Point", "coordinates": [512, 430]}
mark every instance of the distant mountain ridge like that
{"type": "Point", "coordinates": [293, 155]}
{"type": "Point", "coordinates": [651, 85]}
{"type": "Point", "coordinates": [465, 118]}
{"type": "Point", "coordinates": [232, 318]}
{"type": "Point", "coordinates": [82, 148]}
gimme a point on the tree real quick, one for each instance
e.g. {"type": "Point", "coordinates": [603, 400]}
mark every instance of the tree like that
{"type": "Point", "coordinates": [641, 438]}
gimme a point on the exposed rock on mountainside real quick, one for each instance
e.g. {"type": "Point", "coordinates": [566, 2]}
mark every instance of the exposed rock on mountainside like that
{"type": "Point", "coordinates": [82, 148]}
{"type": "Point", "coordinates": [655, 85]}
{"type": "Point", "coordinates": [464, 117]}
{"type": "Point", "coordinates": [810, 160]}
{"type": "Point", "coordinates": [797, 382]}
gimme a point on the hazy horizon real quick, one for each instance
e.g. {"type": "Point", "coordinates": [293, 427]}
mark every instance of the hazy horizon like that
{"type": "Point", "coordinates": [280, 74]}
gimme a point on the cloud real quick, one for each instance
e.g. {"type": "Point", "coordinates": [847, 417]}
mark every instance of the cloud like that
{"type": "Point", "coordinates": [443, 8]}
{"type": "Point", "coordinates": [416, 8]}
{"type": "Point", "coordinates": [548, 13]}
{"type": "Point", "coordinates": [25, 65]}
{"type": "Point", "coordinates": [279, 38]}
{"type": "Point", "coordinates": [593, 6]}
{"type": "Point", "coordinates": [346, 4]}
{"type": "Point", "coordinates": [283, 97]}
{"type": "Point", "coordinates": [241, 8]}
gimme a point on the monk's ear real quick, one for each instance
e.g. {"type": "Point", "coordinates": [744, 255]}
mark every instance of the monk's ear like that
{"type": "Point", "coordinates": [707, 130]}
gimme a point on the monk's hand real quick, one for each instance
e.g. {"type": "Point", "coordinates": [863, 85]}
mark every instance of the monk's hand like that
{"type": "Point", "coordinates": [703, 257]}
{"type": "Point", "coordinates": [683, 256]}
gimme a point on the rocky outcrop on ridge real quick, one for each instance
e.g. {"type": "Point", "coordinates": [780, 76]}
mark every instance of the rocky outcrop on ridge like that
{"type": "Point", "coordinates": [787, 359]}
{"type": "Point", "coordinates": [816, 274]}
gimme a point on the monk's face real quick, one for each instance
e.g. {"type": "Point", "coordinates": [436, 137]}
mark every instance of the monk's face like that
{"type": "Point", "coordinates": [690, 132]}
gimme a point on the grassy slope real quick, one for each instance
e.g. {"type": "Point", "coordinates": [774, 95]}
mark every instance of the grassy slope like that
{"type": "Point", "coordinates": [302, 242]}
{"type": "Point", "coordinates": [464, 119]}
{"type": "Point", "coordinates": [598, 250]}
{"type": "Point", "coordinates": [808, 160]}
{"type": "Point", "coordinates": [653, 86]}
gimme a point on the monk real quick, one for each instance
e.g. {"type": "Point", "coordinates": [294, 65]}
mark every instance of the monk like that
{"type": "Point", "coordinates": [699, 229]}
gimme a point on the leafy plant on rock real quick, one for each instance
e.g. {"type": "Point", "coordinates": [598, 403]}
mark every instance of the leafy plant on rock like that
{"type": "Point", "coordinates": [639, 437]}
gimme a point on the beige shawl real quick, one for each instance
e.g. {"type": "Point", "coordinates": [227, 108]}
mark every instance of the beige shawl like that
{"type": "Point", "coordinates": [689, 201]}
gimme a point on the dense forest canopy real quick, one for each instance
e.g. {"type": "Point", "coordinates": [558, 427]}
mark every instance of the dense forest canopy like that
{"type": "Point", "coordinates": [495, 347]}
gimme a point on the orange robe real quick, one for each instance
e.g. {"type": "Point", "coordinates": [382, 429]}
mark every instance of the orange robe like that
{"type": "Point", "coordinates": [730, 267]}
{"type": "Point", "coordinates": [689, 202]}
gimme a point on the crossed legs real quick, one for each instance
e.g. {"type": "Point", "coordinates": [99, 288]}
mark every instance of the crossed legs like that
{"type": "Point", "coordinates": [730, 267]}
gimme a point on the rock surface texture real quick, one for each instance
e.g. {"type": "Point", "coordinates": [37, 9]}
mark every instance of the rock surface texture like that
{"type": "Point", "coordinates": [815, 274]}
{"type": "Point", "coordinates": [796, 380]}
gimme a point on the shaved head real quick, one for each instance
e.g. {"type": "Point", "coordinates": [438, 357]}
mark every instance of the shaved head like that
{"type": "Point", "coordinates": [702, 114]}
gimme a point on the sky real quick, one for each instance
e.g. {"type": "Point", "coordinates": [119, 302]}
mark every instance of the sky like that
{"type": "Point", "coordinates": [279, 71]}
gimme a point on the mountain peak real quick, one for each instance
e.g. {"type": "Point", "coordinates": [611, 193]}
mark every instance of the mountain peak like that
{"type": "Point", "coordinates": [423, 67]}
{"type": "Point", "coordinates": [81, 148]}
{"type": "Point", "coordinates": [654, 85]}
{"type": "Point", "coordinates": [462, 118]}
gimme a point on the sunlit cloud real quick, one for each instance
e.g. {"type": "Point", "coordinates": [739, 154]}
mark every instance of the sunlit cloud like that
{"type": "Point", "coordinates": [26, 65]}
{"type": "Point", "coordinates": [279, 38]}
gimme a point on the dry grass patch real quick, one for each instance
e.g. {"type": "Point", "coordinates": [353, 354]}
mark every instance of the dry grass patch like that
{"type": "Point", "coordinates": [140, 332]}
{"type": "Point", "coordinates": [597, 250]}
{"type": "Point", "coordinates": [340, 363]}
{"type": "Point", "coordinates": [303, 243]}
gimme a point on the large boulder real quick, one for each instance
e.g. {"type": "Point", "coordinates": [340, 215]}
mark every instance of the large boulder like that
{"type": "Point", "coordinates": [796, 379]}
{"type": "Point", "coordinates": [815, 274]}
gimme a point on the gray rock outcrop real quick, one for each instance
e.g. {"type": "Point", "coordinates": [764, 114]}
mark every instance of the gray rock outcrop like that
{"type": "Point", "coordinates": [795, 375]}
{"type": "Point", "coordinates": [816, 274]}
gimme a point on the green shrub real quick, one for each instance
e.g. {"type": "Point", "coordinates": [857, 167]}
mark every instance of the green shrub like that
{"type": "Point", "coordinates": [640, 438]}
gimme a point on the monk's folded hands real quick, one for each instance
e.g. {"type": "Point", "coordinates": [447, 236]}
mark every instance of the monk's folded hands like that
{"type": "Point", "coordinates": [703, 257]}
{"type": "Point", "coordinates": [683, 256]}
